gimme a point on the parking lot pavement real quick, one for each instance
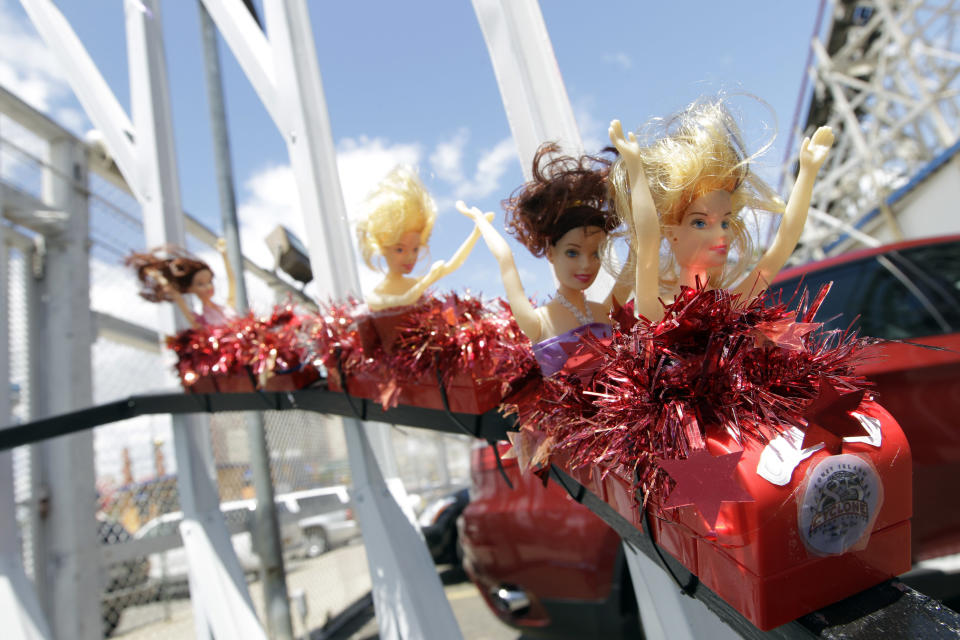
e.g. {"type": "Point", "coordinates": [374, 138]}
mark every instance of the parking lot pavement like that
{"type": "Point", "coordinates": [330, 583]}
{"type": "Point", "coordinates": [475, 619]}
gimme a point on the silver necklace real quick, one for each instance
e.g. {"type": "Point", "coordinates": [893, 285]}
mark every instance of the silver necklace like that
{"type": "Point", "coordinates": [582, 318]}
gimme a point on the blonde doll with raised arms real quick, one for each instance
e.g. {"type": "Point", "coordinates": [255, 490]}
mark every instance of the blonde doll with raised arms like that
{"type": "Point", "coordinates": [397, 226]}
{"type": "Point", "coordinates": [689, 187]}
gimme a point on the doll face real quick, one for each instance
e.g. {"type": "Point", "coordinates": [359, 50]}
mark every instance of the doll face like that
{"type": "Point", "coordinates": [576, 257]}
{"type": "Point", "coordinates": [702, 238]}
{"type": "Point", "coordinates": [402, 257]}
{"type": "Point", "coordinates": [202, 285]}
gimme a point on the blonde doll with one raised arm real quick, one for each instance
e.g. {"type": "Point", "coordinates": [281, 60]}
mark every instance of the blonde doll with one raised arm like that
{"type": "Point", "coordinates": [397, 226]}
{"type": "Point", "coordinates": [562, 214]}
{"type": "Point", "coordinates": [689, 188]}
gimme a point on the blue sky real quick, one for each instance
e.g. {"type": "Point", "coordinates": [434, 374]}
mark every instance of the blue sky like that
{"type": "Point", "coordinates": [413, 82]}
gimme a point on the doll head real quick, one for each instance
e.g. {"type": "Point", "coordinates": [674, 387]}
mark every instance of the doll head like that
{"type": "Point", "coordinates": [398, 222]}
{"type": "Point", "coordinates": [184, 272]}
{"type": "Point", "coordinates": [698, 171]}
{"type": "Point", "coordinates": [563, 214]}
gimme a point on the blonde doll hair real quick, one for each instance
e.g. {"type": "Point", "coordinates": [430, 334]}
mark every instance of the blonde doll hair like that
{"type": "Point", "coordinates": [398, 205]}
{"type": "Point", "coordinates": [692, 153]}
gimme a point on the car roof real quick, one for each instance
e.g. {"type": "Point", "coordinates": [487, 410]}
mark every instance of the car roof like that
{"type": "Point", "coordinates": [852, 256]}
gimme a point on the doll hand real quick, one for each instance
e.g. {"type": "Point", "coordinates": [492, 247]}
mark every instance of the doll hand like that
{"type": "Point", "coordinates": [471, 212]}
{"type": "Point", "coordinates": [221, 245]}
{"type": "Point", "coordinates": [813, 152]}
{"type": "Point", "coordinates": [437, 271]}
{"type": "Point", "coordinates": [629, 149]}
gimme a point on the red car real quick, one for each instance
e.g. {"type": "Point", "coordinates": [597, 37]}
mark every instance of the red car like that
{"type": "Point", "coordinates": [907, 291]}
{"type": "Point", "coordinates": [545, 563]}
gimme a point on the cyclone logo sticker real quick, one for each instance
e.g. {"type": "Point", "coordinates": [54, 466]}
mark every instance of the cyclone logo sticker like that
{"type": "Point", "coordinates": [840, 503]}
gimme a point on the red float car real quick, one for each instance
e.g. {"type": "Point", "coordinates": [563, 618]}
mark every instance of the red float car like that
{"type": "Point", "coordinates": [546, 565]}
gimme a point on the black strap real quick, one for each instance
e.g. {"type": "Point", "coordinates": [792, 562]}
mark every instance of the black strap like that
{"type": "Point", "coordinates": [476, 432]}
{"type": "Point", "coordinates": [693, 582]}
{"type": "Point", "coordinates": [581, 492]}
{"type": "Point", "coordinates": [361, 415]}
{"type": "Point", "coordinates": [446, 407]}
{"type": "Point", "coordinates": [503, 472]}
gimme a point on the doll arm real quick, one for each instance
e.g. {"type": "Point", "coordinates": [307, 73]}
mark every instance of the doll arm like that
{"type": "Point", "coordinates": [461, 255]}
{"type": "Point", "coordinates": [646, 225]}
{"type": "Point", "coordinates": [174, 295]}
{"type": "Point", "coordinates": [623, 285]}
{"type": "Point", "coordinates": [231, 276]}
{"type": "Point", "coordinates": [378, 301]}
{"type": "Point", "coordinates": [813, 153]}
{"type": "Point", "coordinates": [523, 311]}
{"type": "Point", "coordinates": [438, 270]}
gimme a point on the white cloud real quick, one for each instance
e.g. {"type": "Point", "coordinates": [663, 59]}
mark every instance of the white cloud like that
{"type": "Point", "coordinates": [447, 158]}
{"type": "Point", "coordinates": [490, 168]}
{"type": "Point", "coordinates": [619, 59]}
{"type": "Point", "coordinates": [363, 162]}
{"type": "Point", "coordinates": [592, 130]}
{"type": "Point", "coordinates": [30, 71]}
{"type": "Point", "coordinates": [271, 196]}
{"type": "Point", "coordinates": [447, 162]}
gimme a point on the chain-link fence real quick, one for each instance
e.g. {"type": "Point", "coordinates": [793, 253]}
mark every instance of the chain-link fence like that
{"type": "Point", "coordinates": [143, 568]}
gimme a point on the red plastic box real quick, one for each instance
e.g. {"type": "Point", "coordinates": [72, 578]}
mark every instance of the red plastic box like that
{"type": "Point", "coordinates": [234, 383]}
{"type": "Point", "coordinates": [464, 394]}
{"type": "Point", "coordinates": [757, 559]}
{"type": "Point", "coordinates": [292, 380]}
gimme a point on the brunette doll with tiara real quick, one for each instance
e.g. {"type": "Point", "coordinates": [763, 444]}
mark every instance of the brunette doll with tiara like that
{"type": "Point", "coordinates": [397, 226]}
{"type": "Point", "coordinates": [169, 273]}
{"type": "Point", "coordinates": [563, 215]}
{"type": "Point", "coordinates": [689, 187]}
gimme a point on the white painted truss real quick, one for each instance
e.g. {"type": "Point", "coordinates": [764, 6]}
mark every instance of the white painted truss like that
{"type": "Point", "coordinates": [885, 77]}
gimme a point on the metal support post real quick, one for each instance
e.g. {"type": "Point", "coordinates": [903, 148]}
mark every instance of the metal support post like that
{"type": "Point", "coordinates": [266, 527]}
{"type": "Point", "coordinates": [283, 69]}
{"type": "Point", "coordinates": [217, 584]}
{"type": "Point", "coordinates": [665, 613]}
{"type": "Point", "coordinates": [62, 380]}
{"type": "Point", "coordinates": [144, 153]}
{"type": "Point", "coordinates": [19, 606]}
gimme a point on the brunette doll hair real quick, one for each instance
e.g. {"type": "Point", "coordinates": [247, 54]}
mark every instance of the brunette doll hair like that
{"type": "Point", "coordinates": [565, 193]}
{"type": "Point", "coordinates": [174, 264]}
{"type": "Point", "coordinates": [688, 155]}
{"type": "Point", "coordinates": [398, 205]}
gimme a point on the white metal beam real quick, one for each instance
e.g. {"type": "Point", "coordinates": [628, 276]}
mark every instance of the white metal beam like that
{"type": "Point", "coordinates": [531, 86]}
{"type": "Point", "coordinates": [251, 49]}
{"type": "Point", "coordinates": [91, 89]}
{"type": "Point", "coordinates": [213, 561]}
{"type": "Point", "coordinates": [19, 608]}
{"type": "Point", "coordinates": [407, 593]}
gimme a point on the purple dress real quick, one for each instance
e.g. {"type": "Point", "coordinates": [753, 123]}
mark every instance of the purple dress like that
{"type": "Point", "coordinates": [550, 353]}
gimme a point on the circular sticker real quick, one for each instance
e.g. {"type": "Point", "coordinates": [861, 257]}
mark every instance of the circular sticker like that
{"type": "Point", "coordinates": [842, 496]}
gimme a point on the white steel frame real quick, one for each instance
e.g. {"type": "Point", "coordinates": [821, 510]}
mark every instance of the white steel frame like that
{"type": "Point", "coordinates": [282, 66]}
{"type": "Point", "coordinates": [144, 153]}
{"type": "Point", "coordinates": [895, 106]}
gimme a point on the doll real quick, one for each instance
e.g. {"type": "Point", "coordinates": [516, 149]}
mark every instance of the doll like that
{"type": "Point", "coordinates": [166, 274]}
{"type": "Point", "coordinates": [689, 188]}
{"type": "Point", "coordinates": [563, 215]}
{"type": "Point", "coordinates": [397, 227]}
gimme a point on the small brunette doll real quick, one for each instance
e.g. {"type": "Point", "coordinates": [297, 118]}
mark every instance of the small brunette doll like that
{"type": "Point", "coordinates": [689, 187]}
{"type": "Point", "coordinates": [167, 273]}
{"type": "Point", "coordinates": [397, 227]}
{"type": "Point", "coordinates": [561, 214]}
